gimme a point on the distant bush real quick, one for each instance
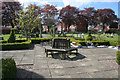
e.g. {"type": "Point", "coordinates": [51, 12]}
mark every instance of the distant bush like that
{"type": "Point", "coordinates": [38, 40]}
{"type": "Point", "coordinates": [79, 39]}
{"type": "Point", "coordinates": [113, 31]}
{"type": "Point", "coordinates": [114, 43]}
{"type": "Point", "coordinates": [8, 68]}
{"type": "Point", "coordinates": [89, 37]}
{"type": "Point", "coordinates": [118, 57]}
{"type": "Point", "coordinates": [12, 36]}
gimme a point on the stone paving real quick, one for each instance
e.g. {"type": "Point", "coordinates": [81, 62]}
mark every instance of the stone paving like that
{"type": "Point", "coordinates": [89, 63]}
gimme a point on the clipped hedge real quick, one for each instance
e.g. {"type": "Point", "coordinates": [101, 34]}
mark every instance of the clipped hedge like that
{"type": "Point", "coordinates": [83, 43]}
{"type": "Point", "coordinates": [114, 43]}
{"type": "Point", "coordinates": [118, 57]}
{"type": "Point", "coordinates": [8, 68]}
{"type": "Point", "coordinates": [89, 37]}
{"type": "Point", "coordinates": [81, 39]}
{"type": "Point", "coordinates": [15, 46]}
{"type": "Point", "coordinates": [38, 40]}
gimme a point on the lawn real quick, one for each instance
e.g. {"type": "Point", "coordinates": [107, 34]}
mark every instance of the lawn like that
{"type": "Point", "coordinates": [103, 37]}
{"type": "Point", "coordinates": [6, 36]}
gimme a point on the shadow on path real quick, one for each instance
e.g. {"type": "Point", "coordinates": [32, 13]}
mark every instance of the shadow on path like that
{"type": "Point", "coordinates": [23, 74]}
{"type": "Point", "coordinates": [75, 56]}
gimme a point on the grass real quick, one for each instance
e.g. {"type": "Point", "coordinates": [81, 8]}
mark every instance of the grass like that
{"type": "Point", "coordinates": [6, 36]}
{"type": "Point", "coordinates": [104, 37]}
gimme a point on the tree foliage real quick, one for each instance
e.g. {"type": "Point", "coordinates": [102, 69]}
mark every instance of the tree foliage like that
{"type": "Point", "coordinates": [50, 13]}
{"type": "Point", "coordinates": [106, 16]}
{"type": "Point", "coordinates": [28, 19]}
{"type": "Point", "coordinates": [8, 12]}
{"type": "Point", "coordinates": [68, 15]}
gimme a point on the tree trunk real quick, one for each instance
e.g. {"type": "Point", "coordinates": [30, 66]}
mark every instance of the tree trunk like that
{"type": "Point", "coordinates": [26, 35]}
{"type": "Point", "coordinates": [40, 31]}
{"type": "Point", "coordinates": [69, 28]}
{"type": "Point", "coordinates": [61, 27]}
{"type": "Point", "coordinates": [66, 28]}
{"type": "Point", "coordinates": [53, 31]}
{"type": "Point", "coordinates": [48, 28]}
{"type": "Point", "coordinates": [12, 24]}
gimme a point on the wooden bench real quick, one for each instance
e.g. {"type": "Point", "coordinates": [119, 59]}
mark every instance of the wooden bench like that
{"type": "Point", "coordinates": [61, 46]}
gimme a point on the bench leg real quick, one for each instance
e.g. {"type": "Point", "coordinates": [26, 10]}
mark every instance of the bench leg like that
{"type": "Point", "coordinates": [46, 54]}
{"type": "Point", "coordinates": [76, 50]}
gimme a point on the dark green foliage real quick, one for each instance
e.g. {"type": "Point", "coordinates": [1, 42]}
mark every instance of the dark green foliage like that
{"type": "Point", "coordinates": [15, 46]}
{"type": "Point", "coordinates": [114, 43]}
{"type": "Point", "coordinates": [8, 68]}
{"type": "Point", "coordinates": [12, 36]}
{"type": "Point", "coordinates": [89, 37]}
{"type": "Point", "coordinates": [79, 39]}
{"type": "Point", "coordinates": [83, 43]}
{"type": "Point", "coordinates": [23, 44]}
{"type": "Point", "coordinates": [38, 40]}
{"type": "Point", "coordinates": [118, 57]}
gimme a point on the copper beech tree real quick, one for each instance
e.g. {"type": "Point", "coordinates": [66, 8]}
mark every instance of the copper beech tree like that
{"type": "Point", "coordinates": [68, 16]}
{"type": "Point", "coordinates": [49, 13]}
{"type": "Point", "coordinates": [106, 16]}
{"type": "Point", "coordinates": [8, 10]}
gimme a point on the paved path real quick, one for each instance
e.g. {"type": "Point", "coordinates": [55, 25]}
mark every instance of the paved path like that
{"type": "Point", "coordinates": [90, 63]}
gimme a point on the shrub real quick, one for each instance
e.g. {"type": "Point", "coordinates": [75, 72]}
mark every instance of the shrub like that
{"type": "Point", "coordinates": [89, 37]}
{"type": "Point", "coordinates": [114, 43]}
{"type": "Point", "coordinates": [12, 36]}
{"type": "Point", "coordinates": [8, 68]}
{"type": "Point", "coordinates": [38, 40]}
{"type": "Point", "coordinates": [14, 46]}
{"type": "Point", "coordinates": [79, 39]}
{"type": "Point", "coordinates": [84, 43]}
{"type": "Point", "coordinates": [118, 57]}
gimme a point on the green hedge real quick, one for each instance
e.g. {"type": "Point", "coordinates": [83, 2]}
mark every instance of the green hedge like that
{"type": "Point", "coordinates": [14, 46]}
{"type": "Point", "coordinates": [118, 57]}
{"type": "Point", "coordinates": [89, 37]}
{"type": "Point", "coordinates": [23, 44]}
{"type": "Point", "coordinates": [38, 40]}
{"type": "Point", "coordinates": [83, 43]}
{"type": "Point", "coordinates": [3, 41]}
{"type": "Point", "coordinates": [79, 39]}
{"type": "Point", "coordinates": [114, 43]}
{"type": "Point", "coordinates": [8, 68]}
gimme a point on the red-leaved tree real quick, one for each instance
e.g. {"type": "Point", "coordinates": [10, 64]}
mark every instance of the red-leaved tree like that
{"type": "Point", "coordinates": [49, 13]}
{"type": "Point", "coordinates": [68, 16]}
{"type": "Point", "coordinates": [8, 12]}
{"type": "Point", "coordinates": [106, 16]}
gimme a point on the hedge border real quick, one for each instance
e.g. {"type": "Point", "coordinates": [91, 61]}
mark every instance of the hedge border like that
{"type": "Point", "coordinates": [27, 44]}
{"type": "Point", "coordinates": [16, 46]}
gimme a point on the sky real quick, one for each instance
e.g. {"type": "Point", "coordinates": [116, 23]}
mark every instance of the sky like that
{"type": "Point", "coordinates": [81, 4]}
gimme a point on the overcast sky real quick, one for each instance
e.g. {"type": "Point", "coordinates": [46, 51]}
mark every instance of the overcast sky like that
{"type": "Point", "coordinates": [81, 4]}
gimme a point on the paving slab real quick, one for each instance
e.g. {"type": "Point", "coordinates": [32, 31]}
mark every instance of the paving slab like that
{"type": "Point", "coordinates": [97, 63]}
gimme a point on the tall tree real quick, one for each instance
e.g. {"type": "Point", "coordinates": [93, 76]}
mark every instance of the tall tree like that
{"type": "Point", "coordinates": [81, 22]}
{"type": "Point", "coordinates": [50, 13]}
{"type": "Point", "coordinates": [90, 14]}
{"type": "Point", "coordinates": [37, 12]}
{"type": "Point", "coordinates": [68, 16]}
{"type": "Point", "coordinates": [8, 12]}
{"type": "Point", "coordinates": [106, 16]}
{"type": "Point", "coordinates": [28, 21]}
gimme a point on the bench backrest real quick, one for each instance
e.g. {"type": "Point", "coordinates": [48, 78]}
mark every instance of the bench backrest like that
{"type": "Point", "coordinates": [61, 43]}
